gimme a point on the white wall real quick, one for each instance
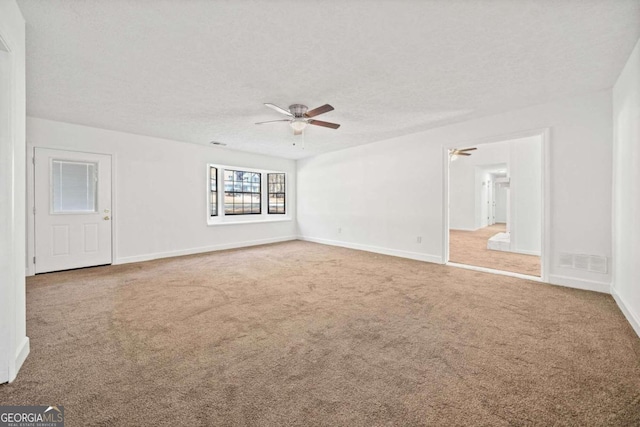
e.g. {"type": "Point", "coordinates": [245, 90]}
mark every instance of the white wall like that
{"type": "Point", "coordinates": [160, 189]}
{"type": "Point", "coordinates": [525, 172]}
{"type": "Point", "coordinates": [384, 195]}
{"type": "Point", "coordinates": [466, 184]}
{"type": "Point", "coordinates": [626, 170]}
{"type": "Point", "coordinates": [14, 344]}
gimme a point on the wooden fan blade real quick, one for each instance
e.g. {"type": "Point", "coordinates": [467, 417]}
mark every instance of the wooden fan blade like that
{"type": "Point", "coordinates": [325, 124]}
{"type": "Point", "coordinates": [462, 154]}
{"type": "Point", "coordinates": [272, 121]}
{"type": "Point", "coordinates": [297, 132]}
{"type": "Point", "coordinates": [467, 149]}
{"type": "Point", "coordinates": [320, 110]}
{"type": "Point", "coordinates": [279, 109]}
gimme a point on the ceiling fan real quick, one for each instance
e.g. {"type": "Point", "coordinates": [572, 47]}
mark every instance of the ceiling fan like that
{"type": "Point", "coordinates": [300, 116]}
{"type": "Point", "coordinates": [455, 152]}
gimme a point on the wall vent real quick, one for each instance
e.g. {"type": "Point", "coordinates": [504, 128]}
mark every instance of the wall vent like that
{"type": "Point", "coordinates": [594, 263]}
{"type": "Point", "coordinates": [566, 260]}
{"type": "Point", "coordinates": [598, 264]}
{"type": "Point", "coordinates": [581, 262]}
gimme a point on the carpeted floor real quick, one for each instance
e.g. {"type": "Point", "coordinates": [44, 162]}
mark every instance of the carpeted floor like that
{"type": "Point", "coordinates": [470, 247]}
{"type": "Point", "coordinates": [303, 334]}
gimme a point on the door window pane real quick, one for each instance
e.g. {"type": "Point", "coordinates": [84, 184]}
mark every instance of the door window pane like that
{"type": "Point", "coordinates": [74, 187]}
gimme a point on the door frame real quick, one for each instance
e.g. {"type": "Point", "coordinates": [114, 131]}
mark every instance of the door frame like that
{"type": "Point", "coordinates": [15, 344]}
{"type": "Point", "coordinates": [31, 195]}
{"type": "Point", "coordinates": [8, 275]}
{"type": "Point", "coordinates": [545, 255]}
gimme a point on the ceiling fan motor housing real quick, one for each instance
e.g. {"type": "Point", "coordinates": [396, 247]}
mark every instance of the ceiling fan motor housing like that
{"type": "Point", "coordinates": [298, 110]}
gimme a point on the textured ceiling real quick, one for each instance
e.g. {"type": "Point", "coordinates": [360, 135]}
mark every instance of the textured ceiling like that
{"type": "Point", "coordinates": [198, 71]}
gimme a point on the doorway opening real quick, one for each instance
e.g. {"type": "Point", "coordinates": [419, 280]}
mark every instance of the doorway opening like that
{"type": "Point", "coordinates": [496, 207]}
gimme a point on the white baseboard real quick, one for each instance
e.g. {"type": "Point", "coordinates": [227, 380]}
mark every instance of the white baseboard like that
{"type": "Point", "coordinates": [376, 249]}
{"type": "Point", "coordinates": [21, 355]}
{"type": "Point", "coordinates": [572, 282]}
{"type": "Point", "coordinates": [169, 254]}
{"type": "Point", "coordinates": [632, 318]}
{"type": "Point", "coordinates": [524, 252]}
{"type": "Point", "coordinates": [498, 272]}
{"type": "Point", "coordinates": [464, 229]}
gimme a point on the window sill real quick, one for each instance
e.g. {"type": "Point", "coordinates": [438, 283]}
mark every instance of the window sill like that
{"type": "Point", "coordinates": [253, 221]}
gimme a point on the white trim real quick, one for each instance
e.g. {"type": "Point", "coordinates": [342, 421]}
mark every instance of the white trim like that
{"type": "Point", "coordinates": [498, 272]}
{"type": "Point", "coordinates": [445, 203]}
{"type": "Point", "coordinates": [169, 254]}
{"type": "Point", "coordinates": [632, 318]}
{"type": "Point", "coordinates": [572, 282]}
{"type": "Point", "coordinates": [376, 249]}
{"type": "Point", "coordinates": [466, 229]}
{"type": "Point", "coordinates": [567, 282]}
{"type": "Point", "coordinates": [257, 221]}
{"type": "Point", "coordinates": [545, 255]}
{"type": "Point", "coordinates": [9, 289]}
{"type": "Point", "coordinates": [523, 252]}
{"type": "Point", "coordinates": [31, 217]}
{"type": "Point", "coordinates": [21, 355]}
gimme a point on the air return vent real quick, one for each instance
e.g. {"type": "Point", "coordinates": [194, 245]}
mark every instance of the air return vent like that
{"type": "Point", "coordinates": [581, 262]}
{"type": "Point", "coordinates": [594, 263]}
{"type": "Point", "coordinates": [598, 264]}
{"type": "Point", "coordinates": [566, 260]}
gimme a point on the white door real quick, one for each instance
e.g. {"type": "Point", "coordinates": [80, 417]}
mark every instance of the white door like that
{"type": "Point", "coordinates": [491, 216]}
{"type": "Point", "coordinates": [72, 209]}
{"type": "Point", "coordinates": [484, 203]}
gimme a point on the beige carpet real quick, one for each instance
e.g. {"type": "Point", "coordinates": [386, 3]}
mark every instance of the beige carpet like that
{"type": "Point", "coordinates": [304, 334]}
{"type": "Point", "coordinates": [470, 247]}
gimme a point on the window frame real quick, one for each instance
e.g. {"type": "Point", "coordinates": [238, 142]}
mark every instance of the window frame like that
{"type": "Point", "coordinates": [276, 193]}
{"type": "Point", "coordinates": [223, 218]}
{"type": "Point", "coordinates": [210, 191]}
{"type": "Point", "coordinates": [250, 192]}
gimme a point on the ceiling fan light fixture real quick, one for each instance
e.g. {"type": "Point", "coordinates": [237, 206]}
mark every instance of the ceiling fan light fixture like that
{"type": "Point", "coordinates": [298, 124]}
{"type": "Point", "coordinates": [299, 116]}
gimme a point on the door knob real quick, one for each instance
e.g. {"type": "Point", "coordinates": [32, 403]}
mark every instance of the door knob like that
{"type": "Point", "coordinates": [106, 218]}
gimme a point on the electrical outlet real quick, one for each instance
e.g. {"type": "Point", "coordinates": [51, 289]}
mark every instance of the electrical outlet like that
{"type": "Point", "coordinates": [419, 239]}
{"type": "Point", "coordinates": [339, 230]}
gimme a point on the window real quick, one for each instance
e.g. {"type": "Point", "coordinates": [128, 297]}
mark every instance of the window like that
{"type": "Point", "coordinates": [238, 195]}
{"type": "Point", "coordinates": [242, 192]}
{"type": "Point", "coordinates": [74, 186]}
{"type": "Point", "coordinates": [276, 191]}
{"type": "Point", "coordinates": [213, 191]}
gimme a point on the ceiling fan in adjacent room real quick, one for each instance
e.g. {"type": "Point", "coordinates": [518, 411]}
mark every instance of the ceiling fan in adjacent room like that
{"type": "Point", "coordinates": [299, 116]}
{"type": "Point", "coordinates": [454, 153]}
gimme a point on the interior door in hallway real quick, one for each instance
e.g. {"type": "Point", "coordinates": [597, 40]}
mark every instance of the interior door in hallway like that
{"type": "Point", "coordinates": [72, 209]}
